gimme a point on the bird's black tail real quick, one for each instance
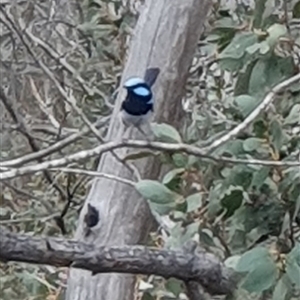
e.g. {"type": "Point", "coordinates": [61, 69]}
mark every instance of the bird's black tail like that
{"type": "Point", "coordinates": [151, 75]}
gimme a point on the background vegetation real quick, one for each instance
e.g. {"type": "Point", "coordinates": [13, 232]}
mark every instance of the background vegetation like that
{"type": "Point", "coordinates": [248, 215]}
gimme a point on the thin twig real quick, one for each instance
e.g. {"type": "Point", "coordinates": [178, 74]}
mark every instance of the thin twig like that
{"type": "Point", "coordinates": [24, 129]}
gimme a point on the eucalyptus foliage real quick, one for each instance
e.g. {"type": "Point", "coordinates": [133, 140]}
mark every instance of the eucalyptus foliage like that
{"type": "Point", "coordinates": [247, 214]}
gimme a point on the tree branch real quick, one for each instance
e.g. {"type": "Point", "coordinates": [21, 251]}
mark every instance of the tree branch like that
{"type": "Point", "coordinates": [255, 113]}
{"type": "Point", "coordinates": [192, 150]}
{"type": "Point", "coordinates": [200, 266]}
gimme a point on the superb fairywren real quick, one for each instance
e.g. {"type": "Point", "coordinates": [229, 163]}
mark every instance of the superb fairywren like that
{"type": "Point", "coordinates": [137, 107]}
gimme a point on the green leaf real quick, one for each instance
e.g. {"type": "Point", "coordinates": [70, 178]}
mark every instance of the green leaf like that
{"type": "Point", "coordinates": [237, 176]}
{"type": "Point", "coordinates": [234, 147]}
{"type": "Point", "coordinates": [253, 48]}
{"type": "Point", "coordinates": [252, 259]}
{"type": "Point", "coordinates": [174, 286]}
{"type": "Point", "coordinates": [237, 239]}
{"type": "Point", "coordinates": [214, 205]}
{"type": "Point", "coordinates": [293, 271]}
{"type": "Point", "coordinates": [179, 235]}
{"type": "Point", "coordinates": [156, 192]}
{"type": "Point", "coordinates": [264, 48]}
{"type": "Point", "coordinates": [232, 57]}
{"type": "Point", "coordinates": [293, 265]}
{"type": "Point", "coordinates": [259, 128]}
{"type": "Point", "coordinates": [238, 45]}
{"type": "Point", "coordinates": [172, 174]}
{"type": "Point", "coordinates": [296, 10]}
{"type": "Point", "coordinates": [225, 23]}
{"type": "Point", "coordinates": [297, 208]}
{"type": "Point", "coordinates": [232, 261]}
{"type": "Point", "coordinates": [259, 177]}
{"type": "Point", "coordinates": [178, 216]}
{"type": "Point", "coordinates": [206, 237]}
{"type": "Point", "coordinates": [139, 155]}
{"type": "Point", "coordinates": [294, 116]}
{"type": "Point", "coordinates": [281, 289]}
{"type": "Point", "coordinates": [261, 278]}
{"type": "Point", "coordinates": [275, 31]}
{"type": "Point", "coordinates": [180, 160]}
{"type": "Point", "coordinates": [148, 296]}
{"type": "Point", "coordinates": [181, 205]}
{"type": "Point", "coordinates": [189, 232]}
{"type": "Point", "coordinates": [242, 83]}
{"type": "Point", "coordinates": [230, 64]}
{"type": "Point", "coordinates": [268, 72]}
{"type": "Point", "coordinates": [295, 253]}
{"type": "Point", "coordinates": [277, 135]}
{"type": "Point", "coordinates": [194, 202]}
{"type": "Point", "coordinates": [161, 209]}
{"type": "Point", "coordinates": [232, 200]}
{"type": "Point", "coordinates": [166, 133]}
{"type": "Point", "coordinates": [260, 6]}
{"type": "Point", "coordinates": [252, 144]}
{"type": "Point", "coordinates": [246, 104]}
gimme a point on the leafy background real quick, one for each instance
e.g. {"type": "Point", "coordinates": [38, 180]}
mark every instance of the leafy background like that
{"type": "Point", "coordinates": [247, 215]}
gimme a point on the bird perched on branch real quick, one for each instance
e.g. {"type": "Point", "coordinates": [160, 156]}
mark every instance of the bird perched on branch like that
{"type": "Point", "coordinates": [137, 107]}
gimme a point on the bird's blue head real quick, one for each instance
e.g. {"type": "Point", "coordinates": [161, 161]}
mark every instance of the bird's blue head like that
{"type": "Point", "coordinates": [139, 99]}
{"type": "Point", "coordinates": [138, 88]}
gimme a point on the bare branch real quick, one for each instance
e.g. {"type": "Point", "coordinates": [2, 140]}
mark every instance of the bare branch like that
{"type": "Point", "coordinates": [192, 150]}
{"type": "Point", "coordinates": [263, 106]}
{"type": "Point", "coordinates": [200, 266]}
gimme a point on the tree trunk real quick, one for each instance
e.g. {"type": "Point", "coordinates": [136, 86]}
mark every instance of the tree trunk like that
{"type": "Point", "coordinates": [166, 36]}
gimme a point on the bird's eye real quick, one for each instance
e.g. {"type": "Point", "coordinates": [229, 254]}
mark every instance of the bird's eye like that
{"type": "Point", "coordinates": [141, 91]}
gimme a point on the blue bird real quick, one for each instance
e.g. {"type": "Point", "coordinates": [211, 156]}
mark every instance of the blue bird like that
{"type": "Point", "coordinates": [137, 107]}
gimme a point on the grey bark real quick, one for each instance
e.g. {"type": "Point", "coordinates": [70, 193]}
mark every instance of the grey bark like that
{"type": "Point", "coordinates": [166, 36]}
{"type": "Point", "coordinates": [196, 267]}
